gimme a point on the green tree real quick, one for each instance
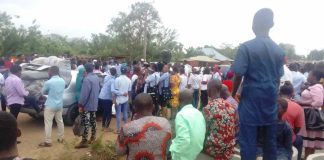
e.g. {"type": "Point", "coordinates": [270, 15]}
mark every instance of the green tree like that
{"type": "Point", "coordinates": [140, 33]}
{"type": "Point", "coordinates": [316, 55]}
{"type": "Point", "coordinates": [228, 50]}
{"type": "Point", "coordinates": [290, 52]}
{"type": "Point", "coordinates": [192, 52]}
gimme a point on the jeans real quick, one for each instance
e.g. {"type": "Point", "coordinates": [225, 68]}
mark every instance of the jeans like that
{"type": "Point", "coordinates": [121, 107]}
{"type": "Point", "coordinates": [299, 146]}
{"type": "Point", "coordinates": [15, 109]}
{"type": "Point", "coordinates": [248, 141]}
{"type": "Point", "coordinates": [49, 115]}
{"type": "Point", "coordinates": [195, 98]}
{"type": "Point", "coordinates": [106, 105]}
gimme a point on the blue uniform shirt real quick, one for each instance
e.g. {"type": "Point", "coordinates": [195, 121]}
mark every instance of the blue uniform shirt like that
{"type": "Point", "coordinates": [260, 61]}
{"type": "Point", "coordinates": [54, 87]}
{"type": "Point", "coordinates": [90, 92]}
{"type": "Point", "coordinates": [105, 92]}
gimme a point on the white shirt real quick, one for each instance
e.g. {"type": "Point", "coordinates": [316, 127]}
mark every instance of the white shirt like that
{"type": "Point", "coordinates": [217, 75]}
{"type": "Point", "coordinates": [2, 81]}
{"type": "Point", "coordinates": [134, 78]}
{"type": "Point", "coordinates": [188, 69]}
{"type": "Point", "coordinates": [152, 80]}
{"type": "Point", "coordinates": [122, 85]}
{"type": "Point", "coordinates": [306, 74]}
{"type": "Point", "coordinates": [287, 75]}
{"type": "Point", "coordinates": [195, 81]}
{"type": "Point", "coordinates": [183, 82]}
{"type": "Point", "coordinates": [118, 69]}
{"type": "Point", "coordinates": [298, 80]}
{"type": "Point", "coordinates": [205, 77]}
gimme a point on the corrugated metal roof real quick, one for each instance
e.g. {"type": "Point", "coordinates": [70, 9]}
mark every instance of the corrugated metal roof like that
{"type": "Point", "coordinates": [216, 55]}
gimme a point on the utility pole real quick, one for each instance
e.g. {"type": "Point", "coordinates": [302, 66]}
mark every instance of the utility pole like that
{"type": "Point", "coordinates": [145, 37]}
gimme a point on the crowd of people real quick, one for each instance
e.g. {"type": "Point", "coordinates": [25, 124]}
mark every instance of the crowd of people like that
{"type": "Point", "coordinates": [262, 105]}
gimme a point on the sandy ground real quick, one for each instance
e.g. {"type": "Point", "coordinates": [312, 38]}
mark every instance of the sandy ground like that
{"type": "Point", "coordinates": [33, 134]}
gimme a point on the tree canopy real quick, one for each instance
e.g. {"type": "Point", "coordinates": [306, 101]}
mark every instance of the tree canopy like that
{"type": "Point", "coordinates": [129, 34]}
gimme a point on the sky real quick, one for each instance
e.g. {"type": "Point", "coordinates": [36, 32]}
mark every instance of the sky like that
{"type": "Point", "coordinates": [197, 22]}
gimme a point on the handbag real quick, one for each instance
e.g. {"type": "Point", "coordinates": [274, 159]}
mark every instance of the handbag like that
{"type": "Point", "coordinates": [154, 92]}
{"type": "Point", "coordinates": [314, 119]}
{"type": "Point", "coordinates": [78, 128]}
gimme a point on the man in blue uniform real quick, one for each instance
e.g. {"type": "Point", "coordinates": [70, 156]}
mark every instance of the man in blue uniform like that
{"type": "Point", "coordinates": [260, 62]}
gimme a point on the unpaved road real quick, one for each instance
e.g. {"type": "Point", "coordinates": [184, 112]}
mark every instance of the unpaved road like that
{"type": "Point", "coordinates": [33, 134]}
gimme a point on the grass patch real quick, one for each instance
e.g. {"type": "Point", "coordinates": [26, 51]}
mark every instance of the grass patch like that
{"type": "Point", "coordinates": [101, 150]}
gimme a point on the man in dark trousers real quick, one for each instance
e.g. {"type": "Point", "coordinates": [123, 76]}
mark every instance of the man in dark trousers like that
{"type": "Point", "coordinates": [260, 62]}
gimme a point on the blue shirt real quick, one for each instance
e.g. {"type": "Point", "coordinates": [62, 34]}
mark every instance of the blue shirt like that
{"type": "Point", "coordinates": [90, 92]}
{"type": "Point", "coordinates": [54, 88]}
{"type": "Point", "coordinates": [121, 86]}
{"type": "Point", "coordinates": [260, 61]}
{"type": "Point", "coordinates": [105, 92]}
{"type": "Point", "coordinates": [164, 81]}
{"type": "Point", "coordinates": [298, 80]}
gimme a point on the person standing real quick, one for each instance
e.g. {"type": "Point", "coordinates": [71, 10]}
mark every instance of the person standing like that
{"type": "Point", "coordinates": [78, 82]}
{"type": "Point", "coordinates": [312, 99]}
{"type": "Point", "coordinates": [190, 130]}
{"type": "Point", "coordinates": [205, 79]}
{"type": "Point", "coordinates": [187, 67]}
{"type": "Point", "coordinates": [165, 91]}
{"type": "Point", "coordinates": [298, 79]}
{"type": "Point", "coordinates": [260, 61]}
{"type": "Point", "coordinates": [97, 68]}
{"type": "Point", "coordinates": [54, 88]}
{"type": "Point", "coordinates": [106, 99]}
{"type": "Point", "coordinates": [121, 88]}
{"type": "Point", "coordinates": [183, 79]}
{"type": "Point", "coordinates": [15, 90]}
{"type": "Point", "coordinates": [195, 83]}
{"type": "Point", "coordinates": [2, 81]}
{"type": "Point", "coordinates": [217, 73]}
{"type": "Point", "coordinates": [157, 131]}
{"type": "Point", "coordinates": [88, 105]}
{"type": "Point", "coordinates": [175, 83]}
{"type": "Point", "coordinates": [151, 86]}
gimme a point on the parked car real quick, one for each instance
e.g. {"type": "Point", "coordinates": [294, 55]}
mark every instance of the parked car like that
{"type": "Point", "coordinates": [70, 105]}
{"type": "Point", "coordinates": [70, 108]}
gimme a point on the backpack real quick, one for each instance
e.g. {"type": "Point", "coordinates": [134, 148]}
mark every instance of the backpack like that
{"type": "Point", "coordinates": [78, 128]}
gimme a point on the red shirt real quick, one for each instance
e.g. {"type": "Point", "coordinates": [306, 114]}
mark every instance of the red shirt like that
{"type": "Point", "coordinates": [7, 64]}
{"type": "Point", "coordinates": [229, 84]}
{"type": "Point", "coordinates": [294, 116]}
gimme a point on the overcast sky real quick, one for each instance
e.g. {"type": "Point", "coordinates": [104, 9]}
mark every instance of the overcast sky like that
{"type": "Point", "coordinates": [198, 22]}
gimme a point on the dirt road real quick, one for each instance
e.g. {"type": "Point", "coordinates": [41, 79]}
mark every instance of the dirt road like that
{"type": "Point", "coordinates": [33, 134]}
